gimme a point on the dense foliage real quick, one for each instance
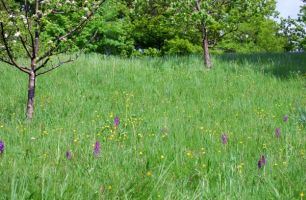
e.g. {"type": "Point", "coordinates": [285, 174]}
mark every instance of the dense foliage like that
{"type": "Point", "coordinates": [157, 27]}
{"type": "Point", "coordinates": [153, 28]}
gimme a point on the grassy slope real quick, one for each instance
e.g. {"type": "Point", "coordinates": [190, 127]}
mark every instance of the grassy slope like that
{"type": "Point", "coordinates": [168, 145]}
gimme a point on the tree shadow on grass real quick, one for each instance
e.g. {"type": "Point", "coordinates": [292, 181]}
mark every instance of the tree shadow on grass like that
{"type": "Point", "coordinates": [282, 65]}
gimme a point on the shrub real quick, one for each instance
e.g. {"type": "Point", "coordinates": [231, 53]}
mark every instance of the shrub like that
{"type": "Point", "coordinates": [180, 46]}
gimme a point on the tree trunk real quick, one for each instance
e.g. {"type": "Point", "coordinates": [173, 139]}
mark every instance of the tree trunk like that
{"type": "Point", "coordinates": [206, 56]}
{"type": "Point", "coordinates": [31, 95]}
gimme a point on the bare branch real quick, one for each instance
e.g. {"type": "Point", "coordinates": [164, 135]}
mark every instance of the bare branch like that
{"type": "Point", "coordinates": [6, 61]}
{"type": "Point", "coordinates": [60, 63]}
{"type": "Point", "coordinates": [43, 64]}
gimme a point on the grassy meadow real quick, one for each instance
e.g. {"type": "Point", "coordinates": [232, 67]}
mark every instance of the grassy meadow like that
{"type": "Point", "coordinates": [168, 144]}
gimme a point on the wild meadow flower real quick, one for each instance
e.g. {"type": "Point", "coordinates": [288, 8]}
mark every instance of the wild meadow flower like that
{"type": "Point", "coordinates": [285, 118]}
{"type": "Point", "coordinates": [277, 132]}
{"type": "Point", "coordinates": [149, 173]}
{"type": "Point", "coordinates": [224, 138]}
{"type": "Point", "coordinates": [2, 146]}
{"type": "Point", "coordinates": [68, 155]}
{"type": "Point", "coordinates": [97, 148]}
{"type": "Point", "coordinates": [261, 162]}
{"type": "Point", "coordinates": [116, 121]}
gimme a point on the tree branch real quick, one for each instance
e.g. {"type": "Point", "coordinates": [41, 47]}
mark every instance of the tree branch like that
{"type": "Point", "coordinates": [23, 42]}
{"type": "Point", "coordinates": [6, 61]}
{"type": "Point", "coordinates": [60, 63]}
{"type": "Point", "coordinates": [12, 61]}
{"type": "Point", "coordinates": [17, 28]}
{"type": "Point", "coordinates": [57, 53]}
{"type": "Point", "coordinates": [28, 24]}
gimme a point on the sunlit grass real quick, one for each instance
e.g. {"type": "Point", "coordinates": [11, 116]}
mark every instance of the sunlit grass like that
{"type": "Point", "coordinates": [168, 144]}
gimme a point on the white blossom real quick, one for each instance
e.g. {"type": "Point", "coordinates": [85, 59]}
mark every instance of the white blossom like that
{"type": "Point", "coordinates": [17, 34]}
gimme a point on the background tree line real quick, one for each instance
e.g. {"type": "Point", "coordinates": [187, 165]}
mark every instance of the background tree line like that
{"type": "Point", "coordinates": [153, 27]}
{"type": "Point", "coordinates": [163, 27]}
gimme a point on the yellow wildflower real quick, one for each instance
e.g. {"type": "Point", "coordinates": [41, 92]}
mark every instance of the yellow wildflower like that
{"type": "Point", "coordinates": [149, 173]}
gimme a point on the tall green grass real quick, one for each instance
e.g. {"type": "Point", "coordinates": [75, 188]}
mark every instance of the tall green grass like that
{"type": "Point", "coordinates": [168, 144]}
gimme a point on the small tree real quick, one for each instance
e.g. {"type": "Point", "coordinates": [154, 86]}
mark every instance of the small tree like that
{"type": "Point", "coordinates": [216, 18]}
{"type": "Point", "coordinates": [302, 20]}
{"type": "Point", "coordinates": [294, 33]}
{"type": "Point", "coordinates": [24, 25]}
